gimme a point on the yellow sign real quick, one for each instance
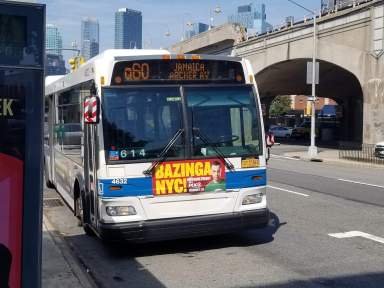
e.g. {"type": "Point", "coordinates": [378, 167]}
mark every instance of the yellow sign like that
{"type": "Point", "coordinates": [250, 163]}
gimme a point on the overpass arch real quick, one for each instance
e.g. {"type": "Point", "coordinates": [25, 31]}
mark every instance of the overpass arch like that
{"type": "Point", "coordinates": [289, 78]}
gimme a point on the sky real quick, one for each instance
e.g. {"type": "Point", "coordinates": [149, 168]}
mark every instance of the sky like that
{"type": "Point", "coordinates": [159, 16]}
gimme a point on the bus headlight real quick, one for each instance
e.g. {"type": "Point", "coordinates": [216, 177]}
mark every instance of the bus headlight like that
{"type": "Point", "coordinates": [253, 198]}
{"type": "Point", "coordinates": [121, 210]}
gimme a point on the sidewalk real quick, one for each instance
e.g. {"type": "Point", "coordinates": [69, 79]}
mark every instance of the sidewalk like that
{"type": "Point", "coordinates": [330, 156]}
{"type": "Point", "coordinates": [60, 268]}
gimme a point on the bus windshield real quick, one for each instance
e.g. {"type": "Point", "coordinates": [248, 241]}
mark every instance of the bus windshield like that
{"type": "Point", "coordinates": [139, 122]}
{"type": "Point", "coordinates": [227, 117]}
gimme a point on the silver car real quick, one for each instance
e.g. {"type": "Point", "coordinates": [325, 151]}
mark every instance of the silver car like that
{"type": "Point", "coordinates": [379, 150]}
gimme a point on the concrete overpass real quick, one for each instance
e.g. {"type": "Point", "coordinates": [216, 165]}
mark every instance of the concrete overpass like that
{"type": "Point", "coordinates": [350, 52]}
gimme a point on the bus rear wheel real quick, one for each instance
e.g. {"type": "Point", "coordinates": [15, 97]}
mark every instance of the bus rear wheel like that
{"type": "Point", "coordinates": [49, 184]}
{"type": "Point", "coordinates": [82, 213]}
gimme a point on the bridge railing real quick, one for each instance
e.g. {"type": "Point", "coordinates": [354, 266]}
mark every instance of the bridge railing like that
{"type": "Point", "coordinates": [341, 5]}
{"type": "Point", "coordinates": [359, 152]}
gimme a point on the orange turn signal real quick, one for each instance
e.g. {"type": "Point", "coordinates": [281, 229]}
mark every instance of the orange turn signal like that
{"type": "Point", "coordinates": [195, 57]}
{"type": "Point", "coordinates": [115, 188]}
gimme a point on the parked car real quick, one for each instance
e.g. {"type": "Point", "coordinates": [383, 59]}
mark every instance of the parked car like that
{"type": "Point", "coordinates": [304, 130]}
{"type": "Point", "coordinates": [280, 131]}
{"type": "Point", "coordinates": [379, 150]}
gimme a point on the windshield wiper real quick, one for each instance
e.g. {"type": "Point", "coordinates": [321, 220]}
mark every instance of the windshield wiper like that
{"type": "Point", "coordinates": [206, 141]}
{"type": "Point", "coordinates": [163, 154]}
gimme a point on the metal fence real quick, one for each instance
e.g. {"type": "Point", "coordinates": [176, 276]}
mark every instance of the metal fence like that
{"type": "Point", "coordinates": [359, 152]}
{"type": "Point", "coordinates": [335, 5]}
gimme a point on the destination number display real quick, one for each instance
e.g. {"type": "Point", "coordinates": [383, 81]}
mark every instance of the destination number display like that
{"type": "Point", "coordinates": [124, 154]}
{"type": "Point", "coordinates": [177, 71]}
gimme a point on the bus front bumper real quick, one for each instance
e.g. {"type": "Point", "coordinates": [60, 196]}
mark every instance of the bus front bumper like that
{"type": "Point", "coordinates": [186, 227]}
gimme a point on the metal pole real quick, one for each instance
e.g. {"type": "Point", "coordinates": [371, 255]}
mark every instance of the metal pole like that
{"type": "Point", "coordinates": [312, 150]}
{"type": "Point", "coordinates": [210, 19]}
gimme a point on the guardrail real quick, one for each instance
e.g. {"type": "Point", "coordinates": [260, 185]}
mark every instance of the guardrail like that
{"type": "Point", "coordinates": [340, 6]}
{"type": "Point", "coordinates": [343, 4]}
{"type": "Point", "coordinates": [359, 152]}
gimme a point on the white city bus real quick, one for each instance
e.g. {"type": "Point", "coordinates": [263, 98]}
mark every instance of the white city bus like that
{"type": "Point", "coordinates": [145, 145]}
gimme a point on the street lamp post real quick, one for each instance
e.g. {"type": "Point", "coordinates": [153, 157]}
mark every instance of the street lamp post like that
{"type": "Point", "coordinates": [217, 10]}
{"type": "Point", "coordinates": [185, 17]}
{"type": "Point", "coordinates": [312, 150]}
{"type": "Point", "coordinates": [190, 29]}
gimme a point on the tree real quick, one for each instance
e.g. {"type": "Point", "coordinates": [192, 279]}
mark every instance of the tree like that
{"type": "Point", "coordinates": [280, 105]}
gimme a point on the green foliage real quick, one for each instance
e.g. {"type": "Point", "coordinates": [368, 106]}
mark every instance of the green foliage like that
{"type": "Point", "coordinates": [280, 105]}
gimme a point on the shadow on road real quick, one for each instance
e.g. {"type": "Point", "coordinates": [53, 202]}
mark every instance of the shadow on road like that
{"type": "Point", "coordinates": [116, 265]}
{"type": "Point", "coordinates": [239, 239]}
{"type": "Point", "coordinates": [373, 280]}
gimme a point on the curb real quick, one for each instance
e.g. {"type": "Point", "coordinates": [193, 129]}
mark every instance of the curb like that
{"type": "Point", "coordinates": [74, 264]}
{"type": "Point", "coordinates": [335, 161]}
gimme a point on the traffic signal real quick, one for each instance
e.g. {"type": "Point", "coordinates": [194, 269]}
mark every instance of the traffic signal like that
{"type": "Point", "coordinates": [80, 60]}
{"type": "Point", "coordinates": [73, 63]}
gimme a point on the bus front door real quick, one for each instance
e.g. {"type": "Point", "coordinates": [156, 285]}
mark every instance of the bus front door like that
{"type": "Point", "coordinates": [90, 168]}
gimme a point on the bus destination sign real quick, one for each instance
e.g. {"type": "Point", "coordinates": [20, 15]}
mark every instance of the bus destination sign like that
{"type": "Point", "coordinates": [177, 71]}
{"type": "Point", "coordinates": [189, 71]}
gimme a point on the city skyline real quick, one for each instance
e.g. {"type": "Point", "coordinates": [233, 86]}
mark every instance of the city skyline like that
{"type": "Point", "coordinates": [252, 17]}
{"type": "Point", "coordinates": [195, 28]}
{"type": "Point", "coordinates": [158, 22]}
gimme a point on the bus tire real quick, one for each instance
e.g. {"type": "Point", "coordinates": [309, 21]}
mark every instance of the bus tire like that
{"type": "Point", "coordinates": [82, 213]}
{"type": "Point", "coordinates": [49, 184]}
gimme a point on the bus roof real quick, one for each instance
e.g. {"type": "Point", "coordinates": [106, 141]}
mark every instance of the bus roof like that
{"type": "Point", "coordinates": [51, 79]}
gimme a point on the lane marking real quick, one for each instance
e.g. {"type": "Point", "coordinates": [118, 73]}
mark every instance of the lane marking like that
{"type": "Point", "coordinates": [288, 191]}
{"type": "Point", "coordinates": [284, 157]}
{"type": "Point", "coordinates": [361, 183]}
{"type": "Point", "coordinates": [352, 234]}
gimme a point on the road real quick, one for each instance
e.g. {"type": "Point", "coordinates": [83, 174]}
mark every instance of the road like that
{"type": "Point", "coordinates": [309, 201]}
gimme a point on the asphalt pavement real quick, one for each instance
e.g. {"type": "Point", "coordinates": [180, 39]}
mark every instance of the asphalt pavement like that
{"type": "Point", "coordinates": [326, 230]}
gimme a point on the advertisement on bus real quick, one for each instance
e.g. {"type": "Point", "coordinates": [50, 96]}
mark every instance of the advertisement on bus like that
{"type": "Point", "coordinates": [190, 176]}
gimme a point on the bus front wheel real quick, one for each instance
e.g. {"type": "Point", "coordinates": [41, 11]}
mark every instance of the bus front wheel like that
{"type": "Point", "coordinates": [82, 213]}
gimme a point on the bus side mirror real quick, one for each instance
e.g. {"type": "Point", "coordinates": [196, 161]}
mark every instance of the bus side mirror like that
{"type": "Point", "coordinates": [91, 110]}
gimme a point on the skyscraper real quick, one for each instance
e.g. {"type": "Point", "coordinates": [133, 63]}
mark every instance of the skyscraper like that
{"type": "Point", "coordinates": [53, 41]}
{"type": "Point", "coordinates": [252, 17]}
{"type": "Point", "coordinates": [196, 28]}
{"type": "Point", "coordinates": [89, 38]}
{"type": "Point", "coordinates": [128, 29]}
